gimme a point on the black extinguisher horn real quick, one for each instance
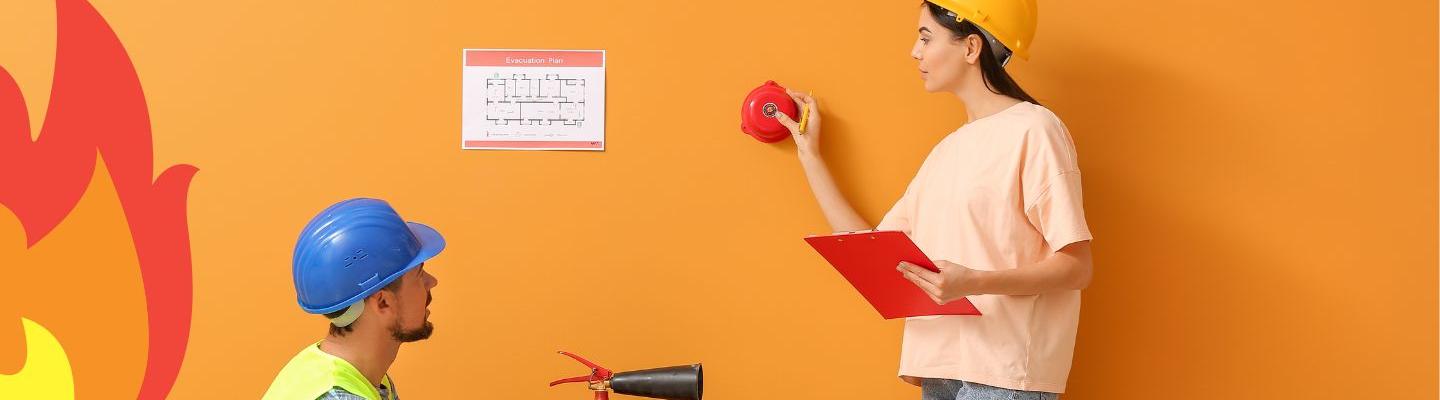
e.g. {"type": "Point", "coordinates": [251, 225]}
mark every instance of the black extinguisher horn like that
{"type": "Point", "coordinates": [682, 382]}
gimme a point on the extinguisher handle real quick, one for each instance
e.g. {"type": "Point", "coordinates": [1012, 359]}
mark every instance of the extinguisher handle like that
{"type": "Point", "coordinates": [598, 374]}
{"type": "Point", "coordinates": [587, 363]}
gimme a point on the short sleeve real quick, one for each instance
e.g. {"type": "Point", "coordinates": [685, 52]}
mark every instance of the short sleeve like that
{"type": "Point", "coordinates": [1054, 203]}
{"type": "Point", "coordinates": [902, 213]}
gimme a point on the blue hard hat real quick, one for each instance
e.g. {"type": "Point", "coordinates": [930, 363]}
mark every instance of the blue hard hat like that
{"type": "Point", "coordinates": [353, 249]}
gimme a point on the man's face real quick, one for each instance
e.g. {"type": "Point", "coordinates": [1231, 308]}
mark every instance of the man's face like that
{"type": "Point", "coordinates": [413, 300]}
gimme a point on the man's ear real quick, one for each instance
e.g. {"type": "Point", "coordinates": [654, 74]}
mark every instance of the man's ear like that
{"type": "Point", "coordinates": [383, 300]}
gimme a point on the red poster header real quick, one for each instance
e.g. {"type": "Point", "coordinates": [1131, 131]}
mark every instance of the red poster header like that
{"type": "Point", "coordinates": [534, 58]}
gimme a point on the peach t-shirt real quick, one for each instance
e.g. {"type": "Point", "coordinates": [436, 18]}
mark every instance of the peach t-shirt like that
{"type": "Point", "coordinates": [1001, 192]}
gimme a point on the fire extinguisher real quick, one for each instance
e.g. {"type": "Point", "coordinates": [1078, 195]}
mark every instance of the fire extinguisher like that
{"type": "Point", "coordinates": [681, 382]}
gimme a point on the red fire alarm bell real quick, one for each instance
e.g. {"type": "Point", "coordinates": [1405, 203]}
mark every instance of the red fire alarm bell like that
{"type": "Point", "coordinates": [757, 114]}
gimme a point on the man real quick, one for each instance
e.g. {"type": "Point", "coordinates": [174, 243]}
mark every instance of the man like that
{"type": "Point", "coordinates": [363, 267]}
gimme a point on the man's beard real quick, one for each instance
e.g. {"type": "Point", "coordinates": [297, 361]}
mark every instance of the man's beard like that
{"type": "Point", "coordinates": [403, 336]}
{"type": "Point", "coordinates": [423, 332]}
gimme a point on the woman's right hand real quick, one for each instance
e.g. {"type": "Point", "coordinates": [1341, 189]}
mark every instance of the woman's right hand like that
{"type": "Point", "coordinates": [838, 212]}
{"type": "Point", "coordinates": [807, 143]}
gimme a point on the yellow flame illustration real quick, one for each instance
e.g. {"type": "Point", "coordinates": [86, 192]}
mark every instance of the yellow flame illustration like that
{"type": "Point", "coordinates": [46, 374]}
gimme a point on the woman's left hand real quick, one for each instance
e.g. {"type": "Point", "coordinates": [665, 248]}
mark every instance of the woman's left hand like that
{"type": "Point", "coordinates": [953, 282]}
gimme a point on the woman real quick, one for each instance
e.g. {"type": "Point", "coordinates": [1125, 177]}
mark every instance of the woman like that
{"type": "Point", "coordinates": [997, 203]}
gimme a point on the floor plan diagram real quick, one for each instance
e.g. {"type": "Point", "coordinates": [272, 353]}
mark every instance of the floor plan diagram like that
{"type": "Point", "coordinates": [528, 99]}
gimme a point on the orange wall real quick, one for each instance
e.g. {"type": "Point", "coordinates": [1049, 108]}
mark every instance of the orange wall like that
{"type": "Point", "coordinates": [1261, 180]}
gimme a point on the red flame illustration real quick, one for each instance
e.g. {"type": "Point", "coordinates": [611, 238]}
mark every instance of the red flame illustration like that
{"type": "Point", "coordinates": [96, 104]}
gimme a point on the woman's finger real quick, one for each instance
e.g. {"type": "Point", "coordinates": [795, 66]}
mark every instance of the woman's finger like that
{"type": "Point", "coordinates": [795, 98]}
{"type": "Point", "coordinates": [928, 287]}
{"type": "Point", "coordinates": [785, 120]}
{"type": "Point", "coordinates": [922, 273]}
{"type": "Point", "coordinates": [937, 300]}
{"type": "Point", "coordinates": [802, 99]}
{"type": "Point", "coordinates": [809, 99]}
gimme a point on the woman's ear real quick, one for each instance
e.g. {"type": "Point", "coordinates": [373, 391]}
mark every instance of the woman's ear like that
{"type": "Point", "coordinates": [973, 43]}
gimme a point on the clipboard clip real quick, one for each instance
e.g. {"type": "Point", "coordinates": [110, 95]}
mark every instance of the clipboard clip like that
{"type": "Point", "coordinates": [834, 235]}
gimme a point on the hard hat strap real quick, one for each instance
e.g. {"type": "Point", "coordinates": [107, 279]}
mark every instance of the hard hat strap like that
{"type": "Point", "coordinates": [350, 315]}
{"type": "Point", "coordinates": [1000, 50]}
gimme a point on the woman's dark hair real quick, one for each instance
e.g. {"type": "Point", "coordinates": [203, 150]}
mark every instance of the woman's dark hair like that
{"type": "Point", "coordinates": [995, 77]}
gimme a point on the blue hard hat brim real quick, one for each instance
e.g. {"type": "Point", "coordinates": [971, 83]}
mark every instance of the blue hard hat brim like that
{"type": "Point", "coordinates": [431, 243]}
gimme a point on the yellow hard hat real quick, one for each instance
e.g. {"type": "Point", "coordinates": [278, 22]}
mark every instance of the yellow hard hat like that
{"type": "Point", "coordinates": [1011, 22]}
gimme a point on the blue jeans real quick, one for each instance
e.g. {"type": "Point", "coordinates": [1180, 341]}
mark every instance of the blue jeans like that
{"type": "Point", "coordinates": [950, 389]}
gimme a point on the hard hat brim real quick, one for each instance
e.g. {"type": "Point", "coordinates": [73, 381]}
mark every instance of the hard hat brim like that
{"type": "Point", "coordinates": [431, 243]}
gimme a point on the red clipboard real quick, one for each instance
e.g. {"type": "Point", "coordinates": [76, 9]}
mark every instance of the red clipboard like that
{"type": "Point", "coordinates": [868, 259]}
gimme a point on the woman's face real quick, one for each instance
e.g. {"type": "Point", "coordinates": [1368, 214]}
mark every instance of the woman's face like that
{"type": "Point", "coordinates": [942, 59]}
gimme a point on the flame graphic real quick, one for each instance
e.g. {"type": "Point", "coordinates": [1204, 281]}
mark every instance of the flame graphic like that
{"type": "Point", "coordinates": [97, 106]}
{"type": "Point", "coordinates": [47, 374]}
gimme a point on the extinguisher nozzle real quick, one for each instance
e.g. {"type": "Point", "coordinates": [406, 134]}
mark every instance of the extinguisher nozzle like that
{"type": "Point", "coordinates": [684, 382]}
